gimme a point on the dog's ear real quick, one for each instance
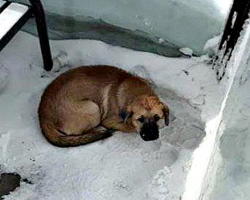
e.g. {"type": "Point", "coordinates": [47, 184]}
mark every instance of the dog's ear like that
{"type": "Point", "coordinates": [125, 115]}
{"type": "Point", "coordinates": [166, 115]}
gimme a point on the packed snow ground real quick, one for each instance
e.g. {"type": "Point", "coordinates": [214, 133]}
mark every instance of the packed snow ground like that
{"type": "Point", "coordinates": [120, 167]}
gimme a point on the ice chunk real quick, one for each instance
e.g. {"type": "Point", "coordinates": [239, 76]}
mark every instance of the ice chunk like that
{"type": "Point", "coordinates": [187, 51]}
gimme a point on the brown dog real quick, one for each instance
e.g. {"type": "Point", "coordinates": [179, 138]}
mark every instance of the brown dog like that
{"type": "Point", "coordinates": [87, 104]}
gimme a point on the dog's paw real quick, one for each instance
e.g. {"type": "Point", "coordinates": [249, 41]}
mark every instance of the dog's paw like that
{"type": "Point", "coordinates": [104, 132]}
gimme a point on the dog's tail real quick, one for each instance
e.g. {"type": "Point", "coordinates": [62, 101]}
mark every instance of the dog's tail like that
{"type": "Point", "coordinates": [61, 139]}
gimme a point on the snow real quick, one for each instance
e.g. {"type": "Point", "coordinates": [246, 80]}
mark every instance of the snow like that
{"type": "Point", "coordinates": [2, 3]}
{"type": "Point", "coordinates": [187, 51]}
{"type": "Point", "coordinates": [230, 161]}
{"type": "Point", "coordinates": [185, 23]}
{"type": "Point", "coordinates": [212, 45]}
{"type": "Point", "coordinates": [120, 167]}
{"type": "Point", "coordinates": [10, 16]}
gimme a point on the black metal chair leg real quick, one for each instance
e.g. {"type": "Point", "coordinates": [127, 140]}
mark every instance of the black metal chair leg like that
{"type": "Point", "coordinates": [42, 33]}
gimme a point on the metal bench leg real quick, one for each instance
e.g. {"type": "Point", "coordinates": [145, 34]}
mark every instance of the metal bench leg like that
{"type": "Point", "coordinates": [42, 33]}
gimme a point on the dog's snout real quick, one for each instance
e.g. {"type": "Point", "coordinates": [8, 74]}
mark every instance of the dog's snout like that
{"type": "Point", "coordinates": [149, 132]}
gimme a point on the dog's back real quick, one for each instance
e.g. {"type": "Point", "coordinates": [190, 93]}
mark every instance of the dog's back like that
{"type": "Point", "coordinates": [73, 103]}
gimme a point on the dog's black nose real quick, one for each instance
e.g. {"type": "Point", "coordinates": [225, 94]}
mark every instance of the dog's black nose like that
{"type": "Point", "coordinates": [150, 138]}
{"type": "Point", "coordinates": [149, 132]}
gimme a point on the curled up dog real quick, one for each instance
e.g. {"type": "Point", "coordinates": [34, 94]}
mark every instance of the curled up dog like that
{"type": "Point", "coordinates": [88, 103]}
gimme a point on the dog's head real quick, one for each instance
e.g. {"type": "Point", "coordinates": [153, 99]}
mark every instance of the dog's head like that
{"type": "Point", "coordinates": [147, 114]}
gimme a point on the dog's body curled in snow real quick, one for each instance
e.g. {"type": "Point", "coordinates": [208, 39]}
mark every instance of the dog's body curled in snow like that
{"type": "Point", "coordinates": [88, 103]}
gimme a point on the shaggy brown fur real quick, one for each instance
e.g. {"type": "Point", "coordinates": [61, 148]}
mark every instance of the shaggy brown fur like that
{"type": "Point", "coordinates": [86, 104]}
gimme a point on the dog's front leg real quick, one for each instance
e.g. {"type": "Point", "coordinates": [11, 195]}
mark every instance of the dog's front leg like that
{"type": "Point", "coordinates": [117, 124]}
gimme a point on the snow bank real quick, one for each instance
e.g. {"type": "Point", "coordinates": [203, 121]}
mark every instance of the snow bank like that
{"type": "Point", "coordinates": [228, 174]}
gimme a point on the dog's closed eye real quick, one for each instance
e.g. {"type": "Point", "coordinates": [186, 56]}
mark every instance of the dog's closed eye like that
{"type": "Point", "coordinates": [156, 118]}
{"type": "Point", "coordinates": [141, 119]}
{"type": "Point", "coordinates": [125, 115]}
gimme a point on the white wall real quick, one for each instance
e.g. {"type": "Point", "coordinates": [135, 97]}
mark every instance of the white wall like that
{"type": "Point", "coordinates": [183, 22]}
